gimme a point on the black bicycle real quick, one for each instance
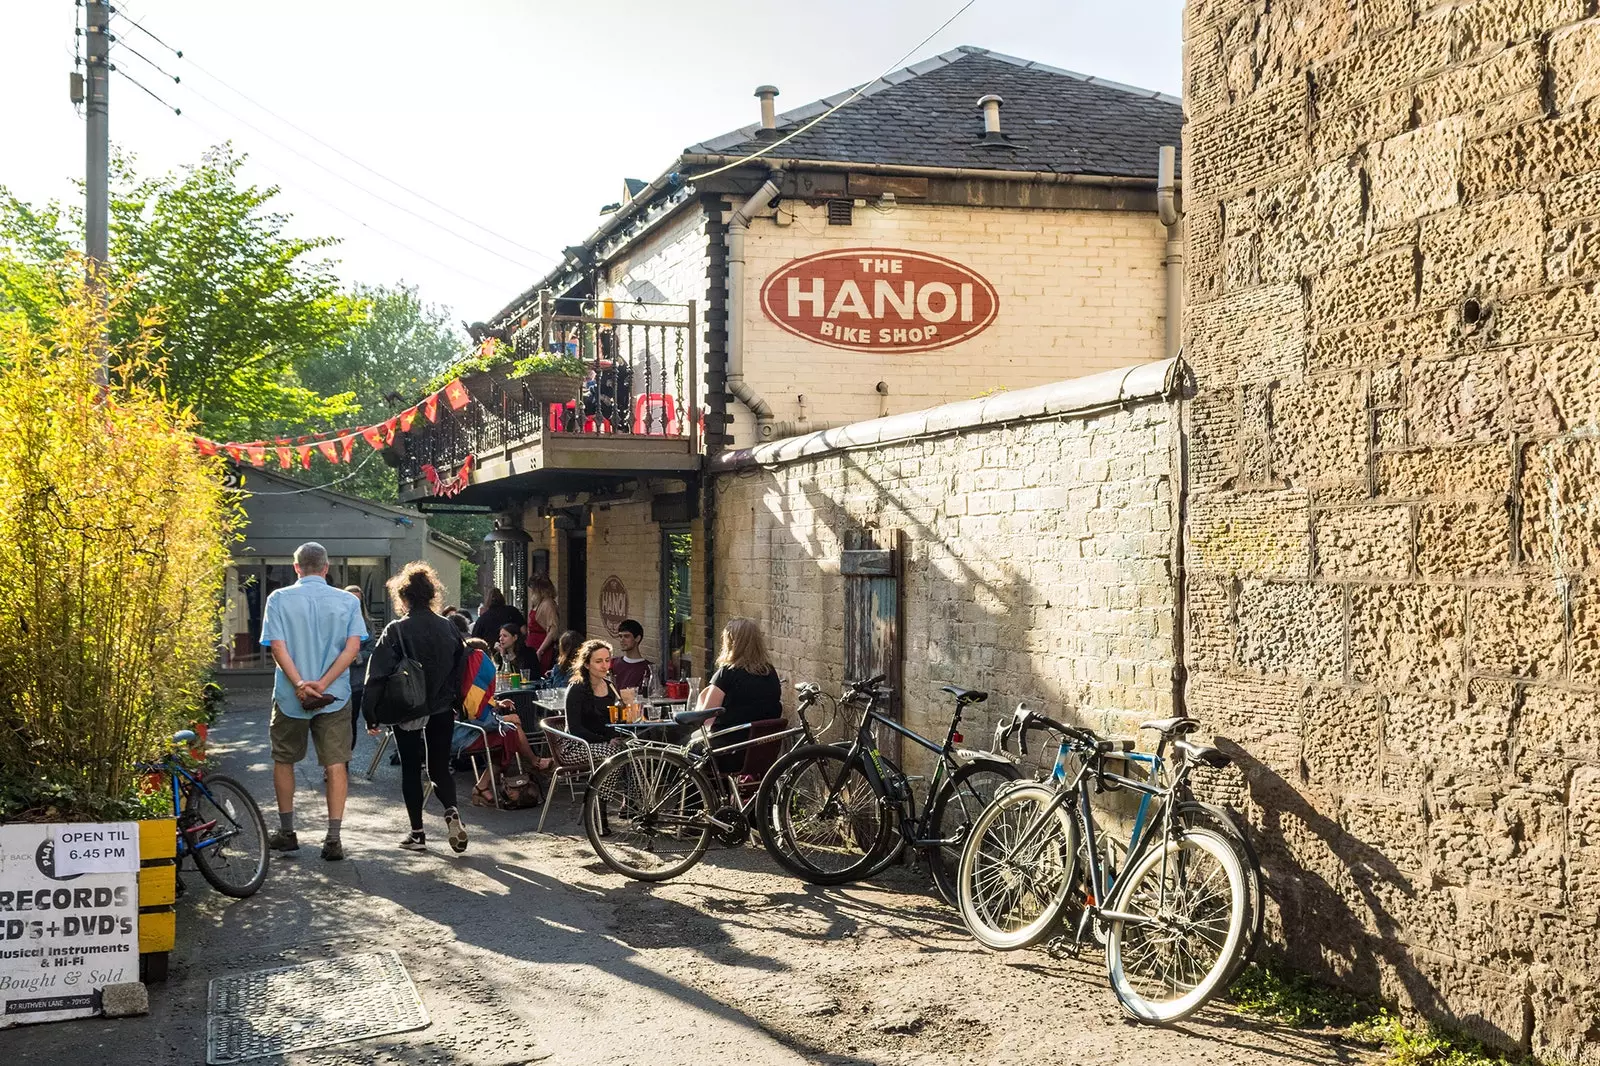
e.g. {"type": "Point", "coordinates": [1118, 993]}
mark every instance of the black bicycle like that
{"type": "Point", "coordinates": [843, 812]}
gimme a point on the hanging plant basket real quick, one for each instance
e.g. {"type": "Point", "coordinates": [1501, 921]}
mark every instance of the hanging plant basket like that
{"type": "Point", "coordinates": [550, 378]}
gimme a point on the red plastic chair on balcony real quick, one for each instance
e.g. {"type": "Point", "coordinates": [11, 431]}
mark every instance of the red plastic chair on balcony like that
{"type": "Point", "coordinates": [556, 421]}
{"type": "Point", "coordinates": [654, 413]}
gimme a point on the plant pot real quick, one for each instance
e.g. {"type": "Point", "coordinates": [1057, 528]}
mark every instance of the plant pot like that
{"type": "Point", "coordinates": [549, 386]}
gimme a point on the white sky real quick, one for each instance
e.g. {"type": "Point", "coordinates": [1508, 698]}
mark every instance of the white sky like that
{"type": "Point", "coordinates": [521, 116]}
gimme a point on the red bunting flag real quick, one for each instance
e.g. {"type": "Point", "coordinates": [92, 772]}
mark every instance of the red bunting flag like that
{"type": "Point", "coordinates": [257, 454]}
{"type": "Point", "coordinates": [304, 451]}
{"type": "Point", "coordinates": [464, 478]}
{"type": "Point", "coordinates": [329, 450]}
{"type": "Point", "coordinates": [285, 458]}
{"type": "Point", "coordinates": [207, 447]}
{"type": "Point", "coordinates": [389, 429]}
{"type": "Point", "coordinates": [430, 407]}
{"type": "Point", "coordinates": [408, 418]}
{"type": "Point", "coordinates": [347, 445]}
{"type": "Point", "coordinates": [432, 475]}
{"type": "Point", "coordinates": [373, 435]}
{"type": "Point", "coordinates": [456, 393]}
{"type": "Point", "coordinates": [235, 452]}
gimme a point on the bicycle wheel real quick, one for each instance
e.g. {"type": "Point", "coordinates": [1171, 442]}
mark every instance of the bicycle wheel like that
{"type": "Point", "coordinates": [964, 796]}
{"type": "Point", "coordinates": [1018, 868]}
{"type": "Point", "coordinates": [1218, 819]}
{"type": "Point", "coordinates": [823, 834]}
{"type": "Point", "coordinates": [227, 836]}
{"type": "Point", "coordinates": [1190, 890]}
{"type": "Point", "coordinates": [646, 813]}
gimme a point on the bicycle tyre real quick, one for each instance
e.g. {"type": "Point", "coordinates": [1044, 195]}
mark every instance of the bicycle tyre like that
{"type": "Point", "coordinates": [794, 796]}
{"type": "Point", "coordinates": [1125, 942]}
{"type": "Point", "coordinates": [626, 797]}
{"type": "Point", "coordinates": [1220, 819]}
{"type": "Point", "coordinates": [231, 802]}
{"type": "Point", "coordinates": [963, 796]}
{"type": "Point", "coordinates": [1011, 909]}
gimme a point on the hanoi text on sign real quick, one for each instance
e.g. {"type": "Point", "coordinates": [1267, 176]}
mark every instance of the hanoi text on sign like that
{"type": "Point", "coordinates": [879, 299]}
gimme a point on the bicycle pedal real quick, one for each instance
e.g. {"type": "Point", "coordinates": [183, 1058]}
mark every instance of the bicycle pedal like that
{"type": "Point", "coordinates": [1059, 947]}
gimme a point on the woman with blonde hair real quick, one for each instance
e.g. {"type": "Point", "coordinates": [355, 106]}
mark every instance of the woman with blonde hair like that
{"type": "Point", "coordinates": [543, 618]}
{"type": "Point", "coordinates": [745, 685]}
{"type": "Point", "coordinates": [589, 698]}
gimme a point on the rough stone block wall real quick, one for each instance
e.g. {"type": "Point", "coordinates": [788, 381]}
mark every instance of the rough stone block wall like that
{"type": "Point", "coordinates": [1393, 212]}
{"type": "Point", "coordinates": [1038, 564]}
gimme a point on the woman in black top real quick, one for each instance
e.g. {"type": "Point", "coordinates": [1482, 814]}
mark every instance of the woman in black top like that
{"type": "Point", "coordinates": [495, 614]}
{"type": "Point", "coordinates": [436, 644]}
{"type": "Point", "coordinates": [745, 686]}
{"type": "Point", "coordinates": [589, 698]}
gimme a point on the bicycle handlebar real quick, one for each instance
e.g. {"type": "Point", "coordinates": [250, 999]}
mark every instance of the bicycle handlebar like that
{"type": "Point", "coordinates": [1025, 720]}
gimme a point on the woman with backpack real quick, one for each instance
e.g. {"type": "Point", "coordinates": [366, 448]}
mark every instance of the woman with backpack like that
{"type": "Point", "coordinates": [414, 685]}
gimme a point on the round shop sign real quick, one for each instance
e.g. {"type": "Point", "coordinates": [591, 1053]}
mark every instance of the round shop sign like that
{"type": "Point", "coordinates": [879, 299]}
{"type": "Point", "coordinates": [613, 603]}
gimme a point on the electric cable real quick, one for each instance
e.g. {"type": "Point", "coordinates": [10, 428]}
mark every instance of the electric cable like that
{"type": "Point", "coordinates": [147, 92]}
{"type": "Point", "coordinates": [854, 94]}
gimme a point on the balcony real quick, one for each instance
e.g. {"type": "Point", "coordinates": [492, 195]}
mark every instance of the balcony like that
{"type": "Point", "coordinates": [633, 412]}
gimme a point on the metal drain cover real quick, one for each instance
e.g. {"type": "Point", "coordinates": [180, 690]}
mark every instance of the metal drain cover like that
{"type": "Point", "coordinates": [316, 1004]}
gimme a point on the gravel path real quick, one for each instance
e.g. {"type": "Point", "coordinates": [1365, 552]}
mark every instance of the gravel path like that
{"type": "Point", "coordinates": [527, 949]}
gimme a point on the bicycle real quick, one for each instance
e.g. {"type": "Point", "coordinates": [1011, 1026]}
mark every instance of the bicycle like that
{"type": "Point", "coordinates": [1173, 919]}
{"type": "Point", "coordinates": [219, 824]}
{"type": "Point", "coordinates": [837, 813]}
{"type": "Point", "coordinates": [651, 810]}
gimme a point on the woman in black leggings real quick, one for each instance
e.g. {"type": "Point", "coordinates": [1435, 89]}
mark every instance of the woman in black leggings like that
{"type": "Point", "coordinates": [421, 634]}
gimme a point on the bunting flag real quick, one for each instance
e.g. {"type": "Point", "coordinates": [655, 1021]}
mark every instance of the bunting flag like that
{"type": "Point", "coordinates": [338, 446]}
{"type": "Point", "coordinates": [432, 475]}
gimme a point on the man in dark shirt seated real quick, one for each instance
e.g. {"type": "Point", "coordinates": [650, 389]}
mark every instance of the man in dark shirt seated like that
{"type": "Point", "coordinates": [630, 669]}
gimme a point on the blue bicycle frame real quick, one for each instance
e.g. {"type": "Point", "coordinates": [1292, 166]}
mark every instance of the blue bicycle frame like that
{"type": "Point", "coordinates": [1151, 761]}
{"type": "Point", "coordinates": [177, 774]}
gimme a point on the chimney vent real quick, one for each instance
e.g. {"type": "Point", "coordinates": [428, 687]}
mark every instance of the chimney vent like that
{"type": "Point", "coordinates": [769, 111]}
{"type": "Point", "coordinates": [992, 135]}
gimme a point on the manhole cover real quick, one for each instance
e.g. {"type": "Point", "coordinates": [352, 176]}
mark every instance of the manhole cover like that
{"type": "Point", "coordinates": [316, 1004]}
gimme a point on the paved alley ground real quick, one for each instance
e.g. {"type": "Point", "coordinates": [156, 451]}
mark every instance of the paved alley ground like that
{"type": "Point", "coordinates": [526, 949]}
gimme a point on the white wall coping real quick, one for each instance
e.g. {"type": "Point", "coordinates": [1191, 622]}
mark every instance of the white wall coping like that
{"type": "Point", "coordinates": [1076, 396]}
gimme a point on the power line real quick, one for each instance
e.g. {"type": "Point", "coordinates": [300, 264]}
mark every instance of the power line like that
{"type": "Point", "coordinates": [129, 77]}
{"type": "Point", "coordinates": [120, 13]}
{"type": "Point", "coordinates": [854, 94]}
{"type": "Point", "coordinates": [126, 47]}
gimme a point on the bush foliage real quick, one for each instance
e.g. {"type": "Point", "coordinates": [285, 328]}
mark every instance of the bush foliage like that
{"type": "Point", "coordinates": [114, 535]}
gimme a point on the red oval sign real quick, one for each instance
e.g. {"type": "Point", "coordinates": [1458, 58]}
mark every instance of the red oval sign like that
{"type": "Point", "coordinates": [879, 299]}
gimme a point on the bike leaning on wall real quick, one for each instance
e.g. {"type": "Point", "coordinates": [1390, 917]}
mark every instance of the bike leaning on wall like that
{"type": "Point", "coordinates": [219, 823]}
{"type": "Point", "coordinates": [1178, 911]}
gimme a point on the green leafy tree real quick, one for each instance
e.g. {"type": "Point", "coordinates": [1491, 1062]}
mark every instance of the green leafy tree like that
{"type": "Point", "coordinates": [237, 306]}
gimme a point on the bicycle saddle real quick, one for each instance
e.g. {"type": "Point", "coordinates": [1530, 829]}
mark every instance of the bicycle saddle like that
{"type": "Point", "coordinates": [183, 736]}
{"type": "Point", "coordinates": [1202, 753]}
{"type": "Point", "coordinates": [695, 717]}
{"type": "Point", "coordinates": [966, 695]}
{"type": "Point", "coordinates": [1170, 726]}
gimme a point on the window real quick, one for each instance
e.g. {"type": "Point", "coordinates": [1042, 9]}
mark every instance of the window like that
{"type": "Point", "coordinates": [677, 598]}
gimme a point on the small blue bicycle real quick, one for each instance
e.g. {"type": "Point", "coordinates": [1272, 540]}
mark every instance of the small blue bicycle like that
{"type": "Point", "coordinates": [219, 823]}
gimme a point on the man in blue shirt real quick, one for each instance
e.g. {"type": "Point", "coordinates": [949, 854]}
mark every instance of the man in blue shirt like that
{"type": "Point", "coordinates": [315, 632]}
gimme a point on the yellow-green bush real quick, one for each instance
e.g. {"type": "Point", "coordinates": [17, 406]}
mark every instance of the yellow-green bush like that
{"type": "Point", "coordinates": [114, 536]}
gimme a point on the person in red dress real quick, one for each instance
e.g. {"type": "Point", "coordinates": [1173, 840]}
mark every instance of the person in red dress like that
{"type": "Point", "coordinates": [543, 618]}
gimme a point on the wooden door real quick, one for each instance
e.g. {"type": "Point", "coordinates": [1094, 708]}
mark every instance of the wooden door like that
{"type": "Point", "coordinates": [871, 567]}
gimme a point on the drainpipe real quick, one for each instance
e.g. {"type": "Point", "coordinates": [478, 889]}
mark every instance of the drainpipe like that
{"type": "Point", "coordinates": [738, 226]}
{"type": "Point", "coordinates": [1172, 218]}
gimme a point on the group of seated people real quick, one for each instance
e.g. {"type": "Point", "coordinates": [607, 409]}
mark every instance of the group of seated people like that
{"type": "Point", "coordinates": [745, 686]}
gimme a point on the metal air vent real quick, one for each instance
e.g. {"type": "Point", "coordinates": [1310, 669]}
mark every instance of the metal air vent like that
{"type": "Point", "coordinates": [840, 212]}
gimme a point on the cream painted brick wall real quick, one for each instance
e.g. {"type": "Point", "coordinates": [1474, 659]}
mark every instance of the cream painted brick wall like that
{"type": "Point", "coordinates": [1038, 564]}
{"type": "Point", "coordinates": [1080, 292]}
{"type": "Point", "coordinates": [667, 267]}
{"type": "Point", "coordinates": [625, 543]}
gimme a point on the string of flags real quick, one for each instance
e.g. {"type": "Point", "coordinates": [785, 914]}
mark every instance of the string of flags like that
{"type": "Point", "coordinates": [338, 446]}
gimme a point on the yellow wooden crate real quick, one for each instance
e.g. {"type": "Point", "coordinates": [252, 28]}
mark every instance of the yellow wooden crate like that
{"type": "Point", "coordinates": [158, 838]}
{"type": "Point", "coordinates": [158, 931]}
{"type": "Point", "coordinates": [158, 884]}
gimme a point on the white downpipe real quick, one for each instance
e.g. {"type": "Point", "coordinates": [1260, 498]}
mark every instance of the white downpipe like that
{"type": "Point", "coordinates": [1172, 218]}
{"type": "Point", "coordinates": [738, 227]}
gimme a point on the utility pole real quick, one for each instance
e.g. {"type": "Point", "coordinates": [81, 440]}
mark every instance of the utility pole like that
{"type": "Point", "coordinates": [97, 169]}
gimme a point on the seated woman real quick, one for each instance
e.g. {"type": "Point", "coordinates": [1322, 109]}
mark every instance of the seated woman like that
{"type": "Point", "coordinates": [588, 698]}
{"type": "Point", "coordinates": [745, 686]}
{"type": "Point", "coordinates": [480, 708]}
{"type": "Point", "coordinates": [566, 651]}
{"type": "Point", "coordinates": [510, 655]}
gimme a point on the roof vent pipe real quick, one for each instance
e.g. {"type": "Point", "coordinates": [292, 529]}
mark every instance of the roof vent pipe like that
{"type": "Point", "coordinates": [769, 111]}
{"type": "Point", "coordinates": [991, 115]}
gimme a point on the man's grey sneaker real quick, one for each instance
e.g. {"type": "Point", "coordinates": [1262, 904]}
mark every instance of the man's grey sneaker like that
{"type": "Point", "coordinates": [458, 832]}
{"type": "Point", "coordinates": [415, 842]}
{"type": "Point", "coordinates": [283, 840]}
{"type": "Point", "coordinates": [332, 850]}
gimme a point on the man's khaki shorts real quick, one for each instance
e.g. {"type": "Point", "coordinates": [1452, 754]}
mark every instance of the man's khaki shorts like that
{"type": "Point", "coordinates": [330, 731]}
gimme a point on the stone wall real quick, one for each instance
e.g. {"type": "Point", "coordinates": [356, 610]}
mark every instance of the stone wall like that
{"type": "Point", "coordinates": [1039, 527]}
{"type": "Point", "coordinates": [1392, 209]}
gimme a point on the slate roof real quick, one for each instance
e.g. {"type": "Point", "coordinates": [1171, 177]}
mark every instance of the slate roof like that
{"type": "Point", "coordinates": [928, 115]}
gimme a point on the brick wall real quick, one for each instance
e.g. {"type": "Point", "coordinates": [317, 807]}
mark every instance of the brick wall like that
{"type": "Point", "coordinates": [1392, 209]}
{"type": "Point", "coordinates": [624, 543]}
{"type": "Point", "coordinates": [1080, 292]}
{"type": "Point", "coordinates": [1038, 561]}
